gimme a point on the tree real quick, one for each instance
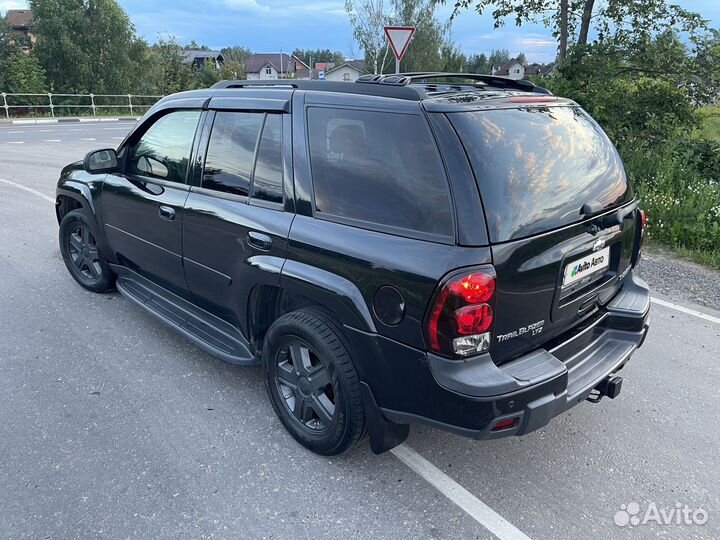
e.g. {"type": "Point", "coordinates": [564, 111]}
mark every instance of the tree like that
{"type": "Point", "coordinates": [498, 56]}
{"type": "Point", "coordinates": [425, 50]}
{"type": "Point", "coordinates": [171, 73]}
{"type": "Point", "coordinates": [87, 46]}
{"type": "Point", "coordinates": [521, 58]}
{"type": "Point", "coordinates": [235, 59]}
{"type": "Point", "coordinates": [478, 63]}
{"type": "Point", "coordinates": [453, 60]}
{"type": "Point", "coordinates": [6, 51]}
{"type": "Point", "coordinates": [319, 55]}
{"type": "Point", "coordinates": [24, 75]}
{"type": "Point", "coordinates": [368, 19]}
{"type": "Point", "coordinates": [615, 20]}
{"type": "Point", "coordinates": [206, 76]}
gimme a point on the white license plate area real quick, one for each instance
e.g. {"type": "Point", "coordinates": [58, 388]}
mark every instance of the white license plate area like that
{"type": "Point", "coordinates": [590, 265]}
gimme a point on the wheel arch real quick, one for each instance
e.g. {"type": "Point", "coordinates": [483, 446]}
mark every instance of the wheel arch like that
{"type": "Point", "coordinates": [303, 286]}
{"type": "Point", "coordinates": [71, 195]}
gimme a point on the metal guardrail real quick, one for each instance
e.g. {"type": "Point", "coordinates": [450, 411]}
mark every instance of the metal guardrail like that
{"type": "Point", "coordinates": [92, 103]}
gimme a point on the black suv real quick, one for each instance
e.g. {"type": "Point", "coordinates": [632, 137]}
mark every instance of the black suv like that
{"type": "Point", "coordinates": [455, 250]}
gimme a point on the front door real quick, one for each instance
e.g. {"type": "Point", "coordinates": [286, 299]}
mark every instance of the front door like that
{"type": "Point", "coordinates": [143, 205]}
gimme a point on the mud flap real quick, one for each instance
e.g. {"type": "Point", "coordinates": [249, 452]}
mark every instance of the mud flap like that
{"type": "Point", "coordinates": [384, 435]}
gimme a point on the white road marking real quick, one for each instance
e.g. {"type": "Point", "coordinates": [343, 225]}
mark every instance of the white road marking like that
{"type": "Point", "coordinates": [29, 190]}
{"type": "Point", "coordinates": [44, 130]}
{"type": "Point", "coordinates": [118, 138]}
{"type": "Point", "coordinates": [683, 309]}
{"type": "Point", "coordinates": [474, 507]}
{"type": "Point", "coordinates": [15, 132]}
{"type": "Point", "coordinates": [16, 142]}
{"type": "Point", "coordinates": [88, 139]}
{"type": "Point", "coordinates": [52, 140]}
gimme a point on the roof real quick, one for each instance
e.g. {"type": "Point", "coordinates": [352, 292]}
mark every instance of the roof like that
{"type": "Point", "coordinates": [255, 62]}
{"type": "Point", "coordinates": [533, 69]}
{"type": "Point", "coordinates": [190, 55]}
{"type": "Point", "coordinates": [357, 65]}
{"type": "Point", "coordinates": [19, 18]}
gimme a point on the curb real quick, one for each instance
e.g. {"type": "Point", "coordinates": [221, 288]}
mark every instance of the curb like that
{"type": "Point", "coordinates": [35, 121]}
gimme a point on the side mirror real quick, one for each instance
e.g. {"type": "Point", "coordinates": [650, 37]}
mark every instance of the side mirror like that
{"type": "Point", "coordinates": [101, 161]}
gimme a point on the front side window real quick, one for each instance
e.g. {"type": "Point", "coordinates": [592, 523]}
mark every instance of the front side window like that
{"type": "Point", "coordinates": [163, 151]}
{"type": "Point", "coordinates": [231, 152]}
{"type": "Point", "coordinates": [379, 169]}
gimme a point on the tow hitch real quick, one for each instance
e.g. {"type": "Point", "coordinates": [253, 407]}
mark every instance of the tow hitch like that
{"type": "Point", "coordinates": [610, 387]}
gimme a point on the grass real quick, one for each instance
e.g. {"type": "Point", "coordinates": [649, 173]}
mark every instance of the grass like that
{"type": "Point", "coordinates": [710, 128]}
{"type": "Point", "coordinates": [679, 187]}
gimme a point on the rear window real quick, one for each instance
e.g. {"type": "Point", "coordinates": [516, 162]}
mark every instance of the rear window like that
{"type": "Point", "coordinates": [537, 166]}
{"type": "Point", "coordinates": [380, 171]}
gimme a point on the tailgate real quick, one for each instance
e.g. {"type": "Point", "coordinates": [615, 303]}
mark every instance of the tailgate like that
{"type": "Point", "coordinates": [537, 296]}
{"type": "Point", "coordinates": [561, 217]}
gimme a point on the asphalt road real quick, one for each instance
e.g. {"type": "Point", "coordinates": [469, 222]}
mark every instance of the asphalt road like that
{"type": "Point", "coordinates": [112, 425]}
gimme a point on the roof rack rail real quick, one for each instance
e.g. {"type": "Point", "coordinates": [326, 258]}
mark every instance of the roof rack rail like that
{"type": "Point", "coordinates": [392, 91]}
{"type": "Point", "coordinates": [495, 81]}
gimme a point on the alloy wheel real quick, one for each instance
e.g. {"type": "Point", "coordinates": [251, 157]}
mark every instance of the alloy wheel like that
{"type": "Point", "coordinates": [305, 384]}
{"type": "Point", "coordinates": [83, 252]}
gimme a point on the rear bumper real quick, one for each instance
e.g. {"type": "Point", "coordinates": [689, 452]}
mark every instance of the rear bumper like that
{"type": "Point", "coordinates": [474, 395]}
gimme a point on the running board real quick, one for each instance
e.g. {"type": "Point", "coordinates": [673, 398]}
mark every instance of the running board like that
{"type": "Point", "coordinates": [207, 331]}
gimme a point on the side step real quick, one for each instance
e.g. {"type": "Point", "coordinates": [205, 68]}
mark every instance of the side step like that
{"type": "Point", "coordinates": [207, 331]}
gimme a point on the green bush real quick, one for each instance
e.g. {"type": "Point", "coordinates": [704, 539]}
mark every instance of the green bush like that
{"type": "Point", "coordinates": [680, 190]}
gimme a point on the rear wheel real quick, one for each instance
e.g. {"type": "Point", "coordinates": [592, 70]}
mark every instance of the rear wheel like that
{"type": "Point", "coordinates": [312, 382]}
{"type": "Point", "coordinates": [81, 254]}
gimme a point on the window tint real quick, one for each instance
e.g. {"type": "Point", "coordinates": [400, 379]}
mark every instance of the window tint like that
{"type": "Point", "coordinates": [231, 151]}
{"type": "Point", "coordinates": [268, 180]}
{"type": "Point", "coordinates": [379, 168]}
{"type": "Point", "coordinates": [164, 150]}
{"type": "Point", "coordinates": [537, 166]}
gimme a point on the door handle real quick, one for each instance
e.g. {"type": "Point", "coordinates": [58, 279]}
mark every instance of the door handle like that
{"type": "Point", "coordinates": [259, 241]}
{"type": "Point", "coordinates": [167, 213]}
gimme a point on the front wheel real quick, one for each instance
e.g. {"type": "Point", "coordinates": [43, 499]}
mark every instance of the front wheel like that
{"type": "Point", "coordinates": [81, 254]}
{"type": "Point", "coordinates": [312, 382]}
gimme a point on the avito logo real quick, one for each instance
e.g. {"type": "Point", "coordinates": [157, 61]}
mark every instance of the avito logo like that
{"type": "Point", "coordinates": [587, 265]}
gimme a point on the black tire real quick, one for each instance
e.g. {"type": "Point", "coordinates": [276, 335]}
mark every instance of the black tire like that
{"type": "Point", "coordinates": [323, 429]}
{"type": "Point", "coordinates": [81, 254]}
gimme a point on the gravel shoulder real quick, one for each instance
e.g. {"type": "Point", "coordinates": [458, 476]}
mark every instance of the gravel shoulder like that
{"type": "Point", "coordinates": [678, 279]}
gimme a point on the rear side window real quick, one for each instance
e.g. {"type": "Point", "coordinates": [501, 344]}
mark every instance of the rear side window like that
{"type": "Point", "coordinates": [379, 170]}
{"type": "Point", "coordinates": [268, 179]}
{"type": "Point", "coordinates": [231, 152]}
{"type": "Point", "coordinates": [537, 166]}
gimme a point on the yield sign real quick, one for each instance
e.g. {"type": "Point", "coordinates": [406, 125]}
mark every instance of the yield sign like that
{"type": "Point", "coordinates": [399, 38]}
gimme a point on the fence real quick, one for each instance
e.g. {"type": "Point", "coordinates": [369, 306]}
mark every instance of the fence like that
{"type": "Point", "coordinates": [52, 105]}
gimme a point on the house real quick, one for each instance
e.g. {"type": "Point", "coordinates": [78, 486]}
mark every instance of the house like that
{"type": "Point", "coordinates": [547, 70]}
{"type": "Point", "coordinates": [533, 69]}
{"type": "Point", "coordinates": [197, 58]}
{"type": "Point", "coordinates": [21, 21]}
{"type": "Point", "coordinates": [268, 66]}
{"type": "Point", "coordinates": [512, 68]}
{"type": "Point", "coordinates": [348, 71]}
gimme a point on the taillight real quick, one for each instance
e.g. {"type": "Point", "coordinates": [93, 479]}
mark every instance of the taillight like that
{"type": "Point", "coordinates": [461, 318]}
{"type": "Point", "coordinates": [643, 225]}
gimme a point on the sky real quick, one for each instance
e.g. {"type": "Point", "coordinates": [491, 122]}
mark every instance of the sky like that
{"type": "Point", "coordinates": [274, 25]}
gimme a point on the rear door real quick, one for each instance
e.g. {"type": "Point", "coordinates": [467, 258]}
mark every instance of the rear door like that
{"type": "Point", "coordinates": [238, 213]}
{"type": "Point", "coordinates": [561, 218]}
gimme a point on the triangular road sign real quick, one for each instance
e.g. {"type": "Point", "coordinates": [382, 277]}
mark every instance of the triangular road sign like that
{"type": "Point", "coordinates": [399, 38]}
